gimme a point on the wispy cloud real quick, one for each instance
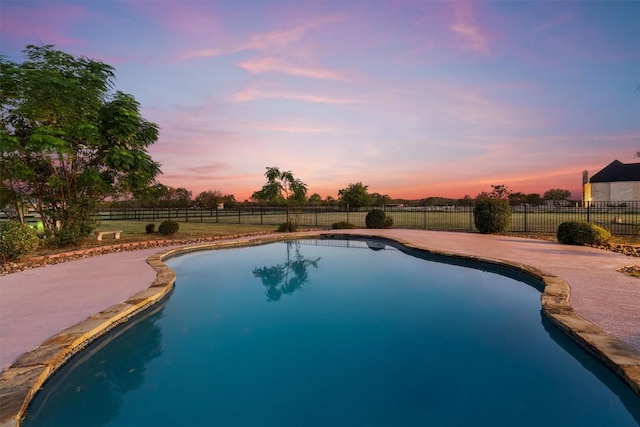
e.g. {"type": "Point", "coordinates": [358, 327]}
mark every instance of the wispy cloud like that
{"type": "Point", "coordinates": [293, 129]}
{"type": "Point", "coordinates": [466, 26]}
{"type": "Point", "coordinates": [269, 42]}
{"type": "Point", "coordinates": [274, 40]}
{"type": "Point", "coordinates": [266, 42]}
{"type": "Point", "coordinates": [264, 65]}
{"type": "Point", "coordinates": [258, 94]}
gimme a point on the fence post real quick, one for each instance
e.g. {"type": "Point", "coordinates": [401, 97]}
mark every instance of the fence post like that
{"type": "Point", "coordinates": [239, 210]}
{"type": "Point", "coordinates": [347, 212]}
{"type": "Point", "coordinates": [471, 219]}
{"type": "Point", "coordinates": [588, 211]}
{"type": "Point", "coordinates": [424, 217]}
{"type": "Point", "coordinates": [525, 217]}
{"type": "Point", "coordinates": [261, 214]}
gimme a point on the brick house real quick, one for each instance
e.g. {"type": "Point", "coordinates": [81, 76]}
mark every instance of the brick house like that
{"type": "Point", "coordinates": [617, 182]}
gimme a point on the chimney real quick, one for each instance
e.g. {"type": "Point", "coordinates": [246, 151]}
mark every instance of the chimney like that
{"type": "Point", "coordinates": [586, 194]}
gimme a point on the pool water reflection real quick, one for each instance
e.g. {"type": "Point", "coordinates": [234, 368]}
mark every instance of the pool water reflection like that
{"type": "Point", "coordinates": [339, 333]}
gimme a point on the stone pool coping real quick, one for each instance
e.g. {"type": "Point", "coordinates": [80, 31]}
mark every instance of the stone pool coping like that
{"type": "Point", "coordinates": [20, 382]}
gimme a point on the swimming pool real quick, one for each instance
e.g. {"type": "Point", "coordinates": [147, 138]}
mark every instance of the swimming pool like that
{"type": "Point", "coordinates": [336, 332]}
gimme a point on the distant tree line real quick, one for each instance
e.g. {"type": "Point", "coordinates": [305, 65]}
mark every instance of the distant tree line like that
{"type": "Point", "coordinates": [354, 196]}
{"type": "Point", "coordinates": [163, 196]}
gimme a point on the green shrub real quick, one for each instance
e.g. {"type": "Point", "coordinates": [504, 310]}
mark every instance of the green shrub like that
{"type": "Point", "coordinates": [65, 237]}
{"type": "Point", "coordinates": [168, 227]}
{"type": "Point", "coordinates": [78, 221]}
{"type": "Point", "coordinates": [72, 234]}
{"type": "Point", "coordinates": [582, 233]}
{"type": "Point", "coordinates": [288, 227]}
{"type": "Point", "coordinates": [492, 215]}
{"type": "Point", "coordinates": [376, 218]}
{"type": "Point", "coordinates": [150, 228]}
{"type": "Point", "coordinates": [16, 240]}
{"type": "Point", "coordinates": [388, 222]}
{"type": "Point", "coordinates": [344, 225]}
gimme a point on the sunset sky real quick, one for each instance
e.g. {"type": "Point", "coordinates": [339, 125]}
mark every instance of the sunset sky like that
{"type": "Point", "coordinates": [412, 98]}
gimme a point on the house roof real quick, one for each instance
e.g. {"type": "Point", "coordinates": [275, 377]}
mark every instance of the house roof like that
{"type": "Point", "coordinates": [618, 171]}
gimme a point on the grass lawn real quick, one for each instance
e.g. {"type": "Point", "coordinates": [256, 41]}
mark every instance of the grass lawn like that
{"type": "Point", "coordinates": [134, 231]}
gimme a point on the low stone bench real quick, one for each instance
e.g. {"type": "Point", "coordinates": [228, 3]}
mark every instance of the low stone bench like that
{"type": "Point", "coordinates": [116, 233]}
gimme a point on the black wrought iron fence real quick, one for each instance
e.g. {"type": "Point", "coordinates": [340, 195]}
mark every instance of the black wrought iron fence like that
{"type": "Point", "coordinates": [621, 218]}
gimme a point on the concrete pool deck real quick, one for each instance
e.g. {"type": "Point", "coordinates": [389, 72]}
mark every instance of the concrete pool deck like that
{"type": "Point", "coordinates": [47, 310]}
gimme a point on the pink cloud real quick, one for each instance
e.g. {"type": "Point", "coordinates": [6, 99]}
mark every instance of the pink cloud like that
{"type": "Point", "coordinates": [293, 129]}
{"type": "Point", "coordinates": [269, 42]}
{"type": "Point", "coordinates": [258, 94]}
{"type": "Point", "coordinates": [204, 53]}
{"type": "Point", "coordinates": [466, 26]}
{"type": "Point", "coordinates": [274, 39]}
{"type": "Point", "coordinates": [279, 41]}
{"type": "Point", "coordinates": [272, 64]}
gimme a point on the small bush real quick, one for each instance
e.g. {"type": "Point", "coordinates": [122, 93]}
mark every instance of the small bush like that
{"type": "Point", "coordinates": [67, 237]}
{"type": "Point", "coordinates": [150, 228]}
{"type": "Point", "coordinates": [376, 218]}
{"type": "Point", "coordinates": [342, 225]}
{"type": "Point", "coordinates": [168, 227]}
{"type": "Point", "coordinates": [582, 233]}
{"type": "Point", "coordinates": [388, 222]}
{"type": "Point", "coordinates": [16, 240]}
{"type": "Point", "coordinates": [492, 215]}
{"type": "Point", "coordinates": [288, 227]}
{"type": "Point", "coordinates": [72, 234]}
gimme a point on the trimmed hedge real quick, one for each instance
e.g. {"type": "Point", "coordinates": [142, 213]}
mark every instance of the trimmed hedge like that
{"type": "Point", "coordinates": [582, 233]}
{"type": "Point", "coordinates": [150, 228]}
{"type": "Point", "coordinates": [377, 218]}
{"type": "Point", "coordinates": [16, 240]}
{"type": "Point", "coordinates": [492, 216]}
{"type": "Point", "coordinates": [168, 227]}
{"type": "Point", "coordinates": [342, 225]}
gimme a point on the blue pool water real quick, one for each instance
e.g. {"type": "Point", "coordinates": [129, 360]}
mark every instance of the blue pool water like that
{"type": "Point", "coordinates": [315, 333]}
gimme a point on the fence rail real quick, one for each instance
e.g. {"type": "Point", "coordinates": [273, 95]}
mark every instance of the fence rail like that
{"type": "Point", "coordinates": [622, 218]}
